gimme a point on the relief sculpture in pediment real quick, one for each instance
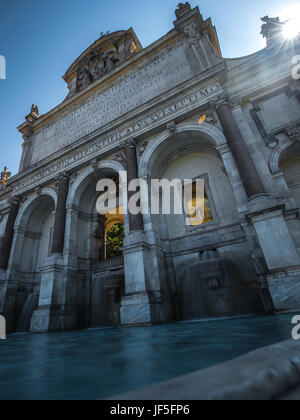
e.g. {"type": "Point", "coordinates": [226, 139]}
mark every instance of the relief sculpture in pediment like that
{"type": "Point", "coordinates": [96, 66]}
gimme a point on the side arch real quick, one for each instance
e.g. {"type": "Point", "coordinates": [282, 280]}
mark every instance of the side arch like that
{"type": "Point", "coordinates": [84, 179]}
{"type": "Point", "coordinates": [25, 210]}
{"type": "Point", "coordinates": [208, 132]}
{"type": "Point", "coordinates": [277, 156]}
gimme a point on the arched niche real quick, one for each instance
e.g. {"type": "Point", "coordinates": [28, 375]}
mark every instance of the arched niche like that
{"type": "Point", "coordinates": [38, 234]}
{"type": "Point", "coordinates": [191, 155]}
{"type": "Point", "coordinates": [209, 274]}
{"type": "Point", "coordinates": [90, 226]}
{"type": "Point", "coordinates": [289, 165]}
{"type": "Point", "coordinates": [34, 234]}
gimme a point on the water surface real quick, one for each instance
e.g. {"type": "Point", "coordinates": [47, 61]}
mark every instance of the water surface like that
{"type": "Point", "coordinates": [101, 363]}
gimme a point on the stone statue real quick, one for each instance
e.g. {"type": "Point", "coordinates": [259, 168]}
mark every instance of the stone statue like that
{"type": "Point", "coordinates": [34, 114]}
{"type": "Point", "coordinates": [112, 60]}
{"type": "Point", "coordinates": [35, 110]}
{"type": "Point", "coordinates": [83, 77]}
{"type": "Point", "coordinates": [96, 65]}
{"type": "Point", "coordinates": [182, 9]}
{"type": "Point", "coordinates": [271, 28]}
{"type": "Point", "coordinates": [5, 176]}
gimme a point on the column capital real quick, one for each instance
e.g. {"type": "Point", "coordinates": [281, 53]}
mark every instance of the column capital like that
{"type": "Point", "coordinates": [25, 144]}
{"type": "Point", "coordinates": [15, 200]}
{"type": "Point", "coordinates": [27, 134]}
{"type": "Point", "coordinates": [121, 158]}
{"type": "Point", "coordinates": [221, 100]}
{"type": "Point", "coordinates": [130, 143]}
{"type": "Point", "coordinates": [64, 175]}
{"type": "Point", "coordinates": [72, 208]}
{"type": "Point", "coordinates": [172, 127]}
{"type": "Point", "coordinates": [224, 148]}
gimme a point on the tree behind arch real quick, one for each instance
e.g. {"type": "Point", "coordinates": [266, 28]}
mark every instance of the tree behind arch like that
{"type": "Point", "coordinates": [114, 240]}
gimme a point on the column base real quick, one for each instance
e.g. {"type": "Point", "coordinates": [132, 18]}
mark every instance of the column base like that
{"type": "Point", "coordinates": [284, 287]}
{"type": "Point", "coordinates": [55, 312]}
{"type": "Point", "coordinates": [40, 321]}
{"type": "Point", "coordinates": [142, 308]}
{"type": "Point", "coordinates": [274, 237]}
{"type": "Point", "coordinates": [135, 309]}
{"type": "Point", "coordinates": [53, 319]}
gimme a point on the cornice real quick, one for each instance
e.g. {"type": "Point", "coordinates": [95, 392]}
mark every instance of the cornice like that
{"type": "Point", "coordinates": [147, 111]}
{"type": "Point", "coordinates": [251, 69]}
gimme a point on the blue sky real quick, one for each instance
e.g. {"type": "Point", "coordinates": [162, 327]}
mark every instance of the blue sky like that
{"type": "Point", "coordinates": [41, 39]}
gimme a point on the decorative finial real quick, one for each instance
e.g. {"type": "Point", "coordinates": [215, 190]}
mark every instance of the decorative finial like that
{"type": "Point", "coordinates": [34, 114]}
{"type": "Point", "coordinates": [35, 110]}
{"type": "Point", "coordinates": [271, 29]}
{"type": "Point", "coordinates": [5, 176]}
{"type": "Point", "coordinates": [182, 9]}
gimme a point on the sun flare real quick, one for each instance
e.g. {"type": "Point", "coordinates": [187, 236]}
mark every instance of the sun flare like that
{"type": "Point", "coordinates": [291, 16]}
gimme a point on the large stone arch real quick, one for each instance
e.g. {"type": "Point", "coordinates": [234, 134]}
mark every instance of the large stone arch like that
{"type": "Point", "coordinates": [84, 178]}
{"type": "Point", "coordinates": [202, 148]}
{"type": "Point", "coordinates": [286, 151]}
{"type": "Point", "coordinates": [30, 203]}
{"type": "Point", "coordinates": [87, 180]}
{"type": "Point", "coordinates": [196, 151]}
{"type": "Point", "coordinates": [30, 249]}
{"type": "Point", "coordinates": [278, 154]}
{"type": "Point", "coordinates": [99, 282]}
{"type": "Point", "coordinates": [207, 132]}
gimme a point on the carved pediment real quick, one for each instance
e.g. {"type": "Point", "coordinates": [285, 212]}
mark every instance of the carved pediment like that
{"type": "Point", "coordinates": [96, 65]}
{"type": "Point", "coordinates": [101, 58]}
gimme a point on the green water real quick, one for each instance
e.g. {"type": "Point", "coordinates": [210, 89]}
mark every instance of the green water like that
{"type": "Point", "coordinates": [101, 363]}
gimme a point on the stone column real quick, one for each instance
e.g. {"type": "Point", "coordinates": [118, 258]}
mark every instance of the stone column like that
{"type": "Point", "coordinates": [142, 302]}
{"type": "Point", "coordinates": [60, 216]}
{"type": "Point", "coordinates": [26, 149]}
{"type": "Point", "coordinates": [56, 311]}
{"type": "Point", "coordinates": [135, 221]}
{"type": "Point", "coordinates": [9, 233]}
{"type": "Point", "coordinates": [248, 172]}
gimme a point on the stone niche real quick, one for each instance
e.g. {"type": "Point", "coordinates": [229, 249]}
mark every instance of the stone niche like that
{"type": "Point", "coordinates": [101, 58]}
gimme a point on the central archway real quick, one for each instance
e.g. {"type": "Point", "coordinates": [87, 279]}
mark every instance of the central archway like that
{"type": "Point", "coordinates": [205, 272]}
{"type": "Point", "coordinates": [34, 233]}
{"type": "Point", "coordinates": [100, 274]}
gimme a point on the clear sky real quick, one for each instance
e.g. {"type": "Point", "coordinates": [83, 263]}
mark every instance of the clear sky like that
{"type": "Point", "coordinates": [41, 39]}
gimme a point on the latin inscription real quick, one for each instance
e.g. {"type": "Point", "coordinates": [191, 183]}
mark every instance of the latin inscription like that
{"type": "Point", "coordinates": [164, 73]}
{"type": "Point", "coordinates": [135, 129]}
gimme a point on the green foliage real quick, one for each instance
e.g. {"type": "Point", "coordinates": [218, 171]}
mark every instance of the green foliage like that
{"type": "Point", "coordinates": [114, 240]}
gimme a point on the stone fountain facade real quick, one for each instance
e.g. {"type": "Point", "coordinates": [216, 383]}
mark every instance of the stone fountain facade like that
{"type": "Point", "coordinates": [137, 109]}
